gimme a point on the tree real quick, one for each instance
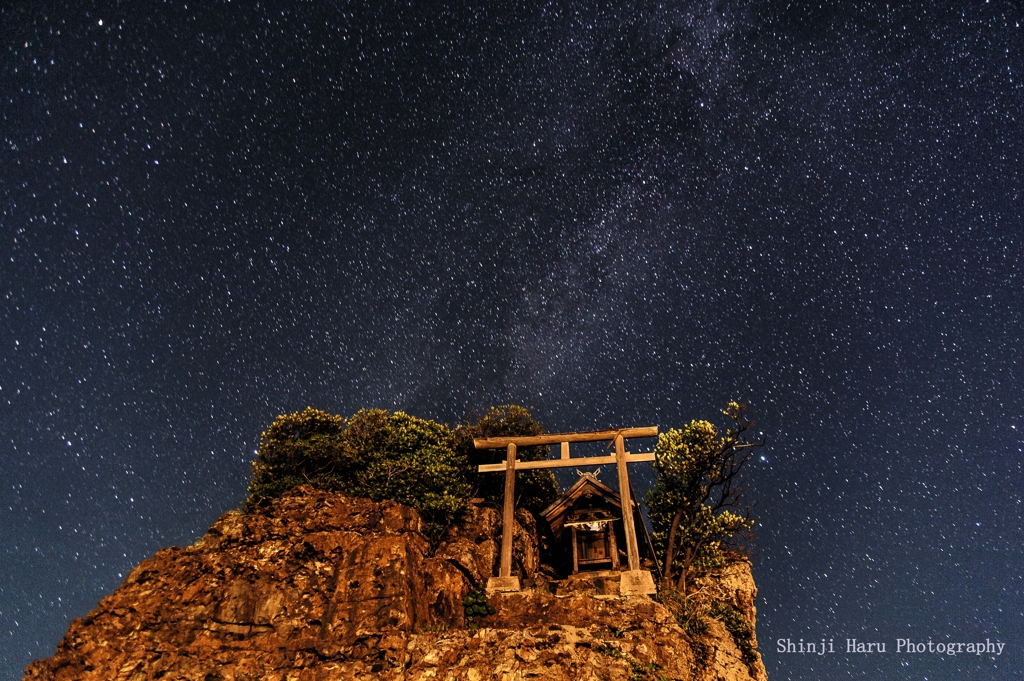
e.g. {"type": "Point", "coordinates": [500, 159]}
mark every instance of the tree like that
{"type": "Point", "coordinates": [697, 504]}
{"type": "Point", "coordinates": [410, 460]}
{"type": "Point", "coordinates": [300, 448]}
{"type": "Point", "coordinates": [535, 489]}
{"type": "Point", "coordinates": [375, 453]}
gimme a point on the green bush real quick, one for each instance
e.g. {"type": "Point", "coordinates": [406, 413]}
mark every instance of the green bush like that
{"type": "Point", "coordinates": [535, 489]}
{"type": "Point", "coordinates": [697, 506]}
{"type": "Point", "coordinates": [690, 612]}
{"type": "Point", "coordinates": [299, 448]}
{"type": "Point", "coordinates": [737, 625]}
{"type": "Point", "coordinates": [476, 606]}
{"type": "Point", "coordinates": [375, 454]}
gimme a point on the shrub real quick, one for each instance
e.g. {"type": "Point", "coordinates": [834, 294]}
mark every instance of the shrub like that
{"type": "Point", "coordinates": [476, 606]}
{"type": "Point", "coordinates": [697, 504]}
{"type": "Point", "coordinates": [738, 626]}
{"type": "Point", "coordinates": [375, 454]}
{"type": "Point", "coordinates": [535, 489]}
{"type": "Point", "coordinates": [300, 448]}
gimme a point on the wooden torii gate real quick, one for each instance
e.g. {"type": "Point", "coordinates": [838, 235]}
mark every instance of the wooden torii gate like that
{"type": "Point", "coordinates": [635, 581]}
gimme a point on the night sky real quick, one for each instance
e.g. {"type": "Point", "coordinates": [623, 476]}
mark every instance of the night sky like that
{"type": "Point", "coordinates": [619, 214]}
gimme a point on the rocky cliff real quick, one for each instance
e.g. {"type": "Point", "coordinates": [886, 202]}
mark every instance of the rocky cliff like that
{"type": "Point", "coordinates": [318, 586]}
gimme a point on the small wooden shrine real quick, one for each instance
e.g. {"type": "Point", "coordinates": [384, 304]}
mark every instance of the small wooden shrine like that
{"type": "Point", "coordinates": [584, 519]}
{"type": "Point", "coordinates": [586, 524]}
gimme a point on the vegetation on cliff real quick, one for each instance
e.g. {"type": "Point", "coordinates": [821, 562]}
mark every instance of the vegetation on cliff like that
{"type": "Point", "coordinates": [535, 489]}
{"type": "Point", "coordinates": [393, 455]}
{"type": "Point", "coordinates": [697, 508]}
{"type": "Point", "coordinates": [375, 454]}
{"type": "Point", "coordinates": [697, 503]}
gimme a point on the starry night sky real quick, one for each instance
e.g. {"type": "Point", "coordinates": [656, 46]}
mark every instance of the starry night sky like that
{"type": "Point", "coordinates": [620, 214]}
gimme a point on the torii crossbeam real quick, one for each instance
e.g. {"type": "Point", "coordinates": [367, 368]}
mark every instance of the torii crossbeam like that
{"type": "Point", "coordinates": [636, 581]}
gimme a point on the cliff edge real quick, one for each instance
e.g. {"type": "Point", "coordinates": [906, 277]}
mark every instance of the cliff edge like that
{"type": "Point", "coordinates": [317, 585]}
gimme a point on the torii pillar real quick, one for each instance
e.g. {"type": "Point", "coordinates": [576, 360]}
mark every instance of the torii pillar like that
{"type": "Point", "coordinates": [633, 581]}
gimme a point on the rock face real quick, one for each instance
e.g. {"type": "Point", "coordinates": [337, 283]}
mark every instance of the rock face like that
{"type": "Point", "coordinates": [321, 586]}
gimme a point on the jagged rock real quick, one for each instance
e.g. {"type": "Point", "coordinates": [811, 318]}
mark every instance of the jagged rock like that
{"type": "Point", "coordinates": [319, 586]}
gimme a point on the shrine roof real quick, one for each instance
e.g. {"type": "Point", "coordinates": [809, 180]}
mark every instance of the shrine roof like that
{"type": "Point", "coordinates": [587, 481]}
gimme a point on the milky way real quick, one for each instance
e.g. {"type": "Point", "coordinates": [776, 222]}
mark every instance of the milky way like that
{"type": "Point", "coordinates": [618, 214]}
